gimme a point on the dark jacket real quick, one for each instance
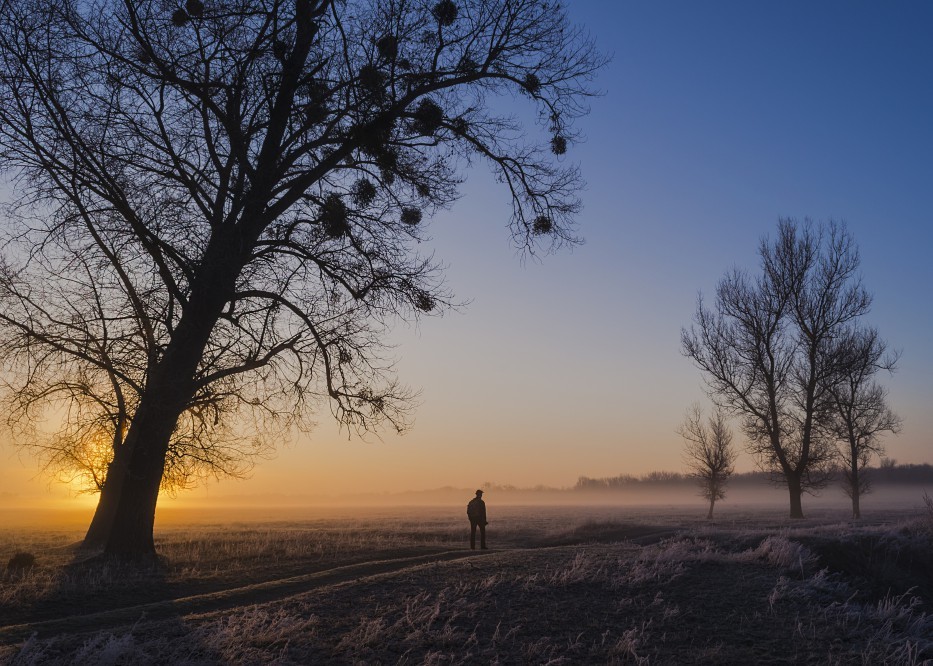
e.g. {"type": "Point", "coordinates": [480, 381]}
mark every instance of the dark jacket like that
{"type": "Point", "coordinates": [476, 511]}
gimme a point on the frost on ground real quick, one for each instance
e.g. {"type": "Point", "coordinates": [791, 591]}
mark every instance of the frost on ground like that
{"type": "Point", "coordinates": [705, 596]}
{"type": "Point", "coordinates": [683, 600]}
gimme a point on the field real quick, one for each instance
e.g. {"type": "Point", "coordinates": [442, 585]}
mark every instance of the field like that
{"type": "Point", "coordinates": [560, 585]}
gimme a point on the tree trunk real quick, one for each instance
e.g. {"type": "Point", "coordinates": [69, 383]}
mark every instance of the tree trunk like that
{"type": "Point", "coordinates": [709, 516]}
{"type": "Point", "coordinates": [106, 509]}
{"type": "Point", "coordinates": [796, 492]}
{"type": "Point", "coordinates": [127, 511]}
{"type": "Point", "coordinates": [131, 529]}
{"type": "Point", "coordinates": [856, 486]}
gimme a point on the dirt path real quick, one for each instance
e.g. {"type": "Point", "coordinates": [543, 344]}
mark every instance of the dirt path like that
{"type": "Point", "coordinates": [217, 601]}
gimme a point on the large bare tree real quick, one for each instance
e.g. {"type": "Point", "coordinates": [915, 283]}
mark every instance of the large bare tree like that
{"type": "Point", "coordinates": [860, 407]}
{"type": "Point", "coordinates": [218, 208]}
{"type": "Point", "coordinates": [765, 348]}
{"type": "Point", "coordinates": [708, 452]}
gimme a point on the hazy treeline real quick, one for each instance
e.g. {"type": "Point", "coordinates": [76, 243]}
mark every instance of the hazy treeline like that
{"type": "Point", "coordinates": [908, 474]}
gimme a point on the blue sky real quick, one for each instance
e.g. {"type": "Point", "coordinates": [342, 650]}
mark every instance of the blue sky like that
{"type": "Point", "coordinates": [718, 118]}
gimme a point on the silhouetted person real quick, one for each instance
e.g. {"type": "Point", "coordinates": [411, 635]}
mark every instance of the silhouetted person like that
{"type": "Point", "coordinates": [476, 512]}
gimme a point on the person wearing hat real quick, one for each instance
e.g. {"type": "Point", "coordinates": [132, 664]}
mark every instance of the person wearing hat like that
{"type": "Point", "coordinates": [476, 512]}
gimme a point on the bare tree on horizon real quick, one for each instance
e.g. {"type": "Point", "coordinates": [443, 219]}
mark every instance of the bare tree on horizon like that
{"type": "Point", "coordinates": [218, 211]}
{"type": "Point", "coordinates": [861, 411]}
{"type": "Point", "coordinates": [765, 348]}
{"type": "Point", "coordinates": [708, 452]}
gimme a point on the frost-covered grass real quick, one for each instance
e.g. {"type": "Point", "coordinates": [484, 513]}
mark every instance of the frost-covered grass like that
{"type": "Point", "coordinates": [685, 600]}
{"type": "Point", "coordinates": [729, 592]}
{"type": "Point", "coordinates": [204, 557]}
{"type": "Point", "coordinates": [196, 558]}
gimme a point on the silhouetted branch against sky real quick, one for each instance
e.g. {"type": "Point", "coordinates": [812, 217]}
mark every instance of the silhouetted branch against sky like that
{"type": "Point", "coordinates": [229, 196]}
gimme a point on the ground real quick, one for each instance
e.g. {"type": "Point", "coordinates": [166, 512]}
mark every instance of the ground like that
{"type": "Point", "coordinates": [560, 585]}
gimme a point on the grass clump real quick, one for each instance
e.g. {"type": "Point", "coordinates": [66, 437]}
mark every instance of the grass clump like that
{"type": "Point", "coordinates": [21, 563]}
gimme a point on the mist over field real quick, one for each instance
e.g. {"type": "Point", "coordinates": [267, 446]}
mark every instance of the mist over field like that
{"type": "Point", "coordinates": [752, 492]}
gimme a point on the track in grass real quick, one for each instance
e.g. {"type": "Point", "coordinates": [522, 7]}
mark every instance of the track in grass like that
{"type": "Point", "coordinates": [230, 598]}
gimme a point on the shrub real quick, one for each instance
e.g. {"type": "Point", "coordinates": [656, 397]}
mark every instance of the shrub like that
{"type": "Point", "coordinates": [21, 562]}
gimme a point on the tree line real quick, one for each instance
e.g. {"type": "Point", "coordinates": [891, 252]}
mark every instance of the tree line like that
{"type": "Point", "coordinates": [881, 475]}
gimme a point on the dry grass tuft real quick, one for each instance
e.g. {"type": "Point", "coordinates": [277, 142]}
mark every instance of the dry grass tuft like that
{"type": "Point", "coordinates": [20, 563]}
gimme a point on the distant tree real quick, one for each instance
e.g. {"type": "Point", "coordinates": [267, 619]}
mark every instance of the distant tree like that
{"type": "Point", "coordinates": [708, 452]}
{"type": "Point", "coordinates": [860, 409]}
{"type": "Point", "coordinates": [903, 475]}
{"type": "Point", "coordinates": [660, 477]}
{"type": "Point", "coordinates": [928, 517]}
{"type": "Point", "coordinates": [764, 348]}
{"type": "Point", "coordinates": [219, 206]}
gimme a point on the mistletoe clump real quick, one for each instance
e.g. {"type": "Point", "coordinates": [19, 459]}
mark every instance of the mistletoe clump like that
{"type": "Point", "coordinates": [468, 64]}
{"type": "Point", "coordinates": [387, 47]}
{"type": "Point", "coordinates": [427, 117]}
{"type": "Point", "coordinates": [387, 161]}
{"type": "Point", "coordinates": [542, 225]}
{"type": "Point", "coordinates": [374, 136]}
{"type": "Point", "coordinates": [372, 80]}
{"type": "Point", "coordinates": [364, 192]}
{"type": "Point", "coordinates": [424, 301]}
{"type": "Point", "coordinates": [280, 50]}
{"type": "Point", "coordinates": [195, 8]}
{"type": "Point", "coordinates": [445, 12]}
{"type": "Point", "coordinates": [460, 125]}
{"type": "Point", "coordinates": [333, 216]}
{"type": "Point", "coordinates": [315, 109]}
{"type": "Point", "coordinates": [532, 84]}
{"type": "Point", "coordinates": [179, 18]}
{"type": "Point", "coordinates": [558, 145]}
{"type": "Point", "coordinates": [411, 216]}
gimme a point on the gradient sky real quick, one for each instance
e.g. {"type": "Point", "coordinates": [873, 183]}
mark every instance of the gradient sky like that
{"type": "Point", "coordinates": [717, 119]}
